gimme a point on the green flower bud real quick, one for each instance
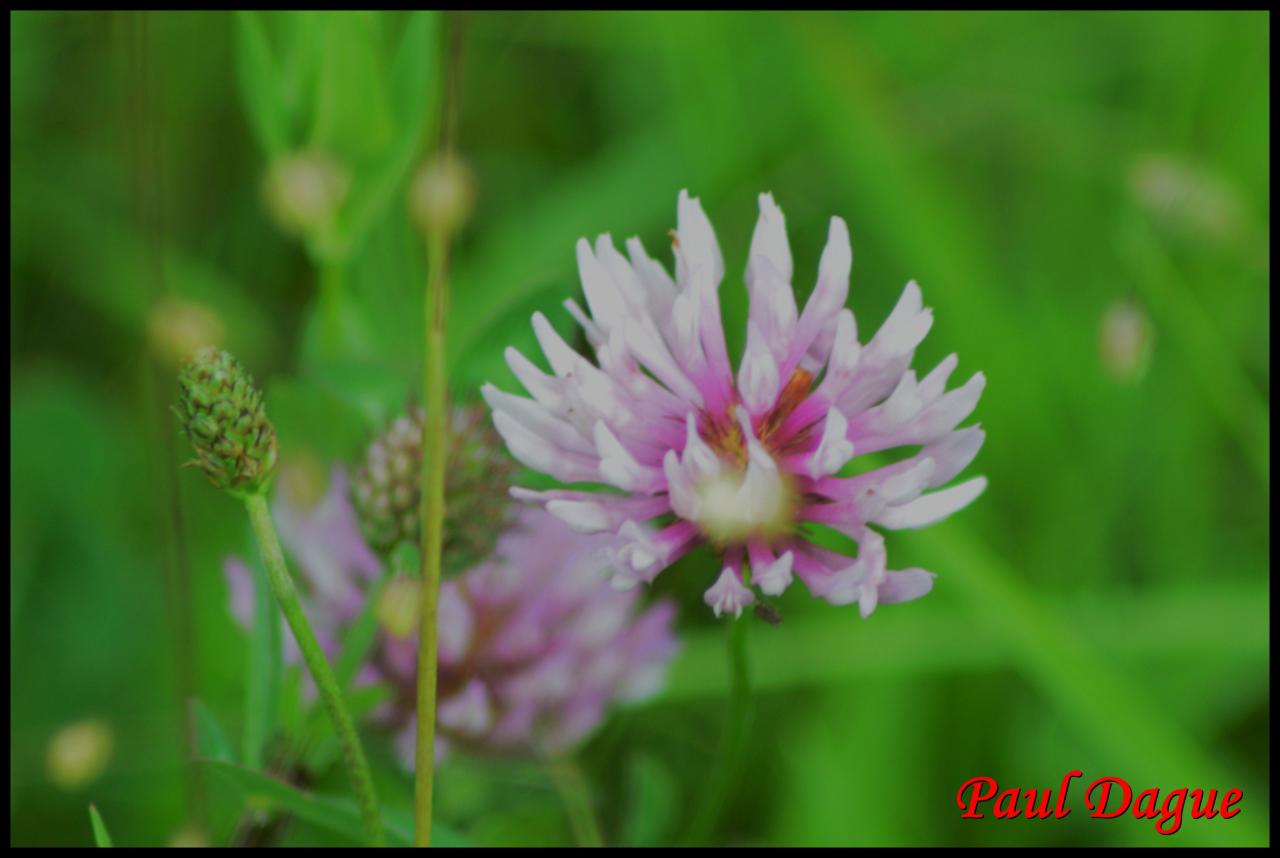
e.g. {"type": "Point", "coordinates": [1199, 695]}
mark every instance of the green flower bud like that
{"type": "Point", "coordinates": [305, 191]}
{"type": "Point", "coordinates": [79, 753]}
{"type": "Point", "coordinates": [442, 195]}
{"type": "Point", "coordinates": [386, 487]}
{"type": "Point", "coordinates": [177, 328]}
{"type": "Point", "coordinates": [1125, 338]}
{"type": "Point", "coordinates": [222, 413]}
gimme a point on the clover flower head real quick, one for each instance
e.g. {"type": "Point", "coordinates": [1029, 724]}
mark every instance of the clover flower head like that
{"type": "Point", "coordinates": [534, 644]}
{"type": "Point", "coordinates": [749, 460]}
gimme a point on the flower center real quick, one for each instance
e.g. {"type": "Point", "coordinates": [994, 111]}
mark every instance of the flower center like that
{"type": "Point", "coordinates": [749, 495]}
{"type": "Point", "coordinates": [741, 503]}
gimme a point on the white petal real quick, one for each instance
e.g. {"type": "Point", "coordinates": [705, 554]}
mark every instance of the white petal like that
{"type": "Point", "coordinates": [951, 408]}
{"type": "Point", "coordinates": [653, 353]}
{"type": "Point", "coordinates": [595, 335]}
{"type": "Point", "coordinates": [843, 587]}
{"type": "Point", "coordinates": [698, 457]}
{"type": "Point", "coordinates": [835, 449]}
{"type": "Point", "coordinates": [563, 359]}
{"type": "Point", "coordinates": [728, 594]}
{"type": "Point", "coordinates": [686, 340]}
{"type": "Point", "coordinates": [903, 404]}
{"type": "Point", "coordinates": [843, 361]}
{"type": "Point", "coordinates": [698, 246]}
{"type": "Point", "coordinates": [907, 486]}
{"type": "Point", "coordinates": [828, 295]}
{"type": "Point", "coordinates": [761, 493]}
{"type": "Point", "coordinates": [606, 303]}
{"type": "Point", "coordinates": [625, 278]}
{"type": "Point", "coordinates": [582, 516]}
{"type": "Point", "coordinates": [537, 419]}
{"type": "Point", "coordinates": [657, 282]}
{"type": "Point", "coordinates": [541, 455]}
{"type": "Point", "coordinates": [773, 308]}
{"type": "Point", "coordinates": [868, 597]}
{"type": "Point", "coordinates": [832, 288]}
{"type": "Point", "coordinates": [542, 387]}
{"type": "Point", "coordinates": [684, 501]}
{"type": "Point", "coordinates": [617, 465]}
{"type": "Point", "coordinates": [769, 241]}
{"type": "Point", "coordinates": [954, 453]}
{"type": "Point", "coordinates": [758, 375]}
{"type": "Point", "coordinates": [932, 507]}
{"type": "Point", "coordinates": [933, 384]}
{"type": "Point", "coordinates": [775, 577]}
{"type": "Point", "coordinates": [641, 552]}
{"type": "Point", "coordinates": [907, 325]}
{"type": "Point", "coordinates": [904, 586]}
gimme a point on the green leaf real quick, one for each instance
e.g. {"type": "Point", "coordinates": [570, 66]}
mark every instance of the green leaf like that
{"type": "Point", "coordinates": [318, 418]}
{"type": "Point", "coordinates": [352, 117]}
{"type": "Point", "coordinates": [211, 739]}
{"type": "Point", "coordinates": [100, 835]}
{"type": "Point", "coordinates": [262, 690]}
{"type": "Point", "coordinates": [652, 797]}
{"type": "Point", "coordinates": [260, 85]}
{"type": "Point", "coordinates": [415, 91]}
{"type": "Point", "coordinates": [334, 815]}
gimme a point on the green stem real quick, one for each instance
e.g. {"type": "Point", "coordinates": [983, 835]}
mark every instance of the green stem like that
{"type": "Point", "coordinates": [432, 511]}
{"type": "Point", "coordinates": [568, 780]}
{"type": "Point", "coordinates": [331, 285]}
{"type": "Point", "coordinates": [724, 770]}
{"type": "Point", "coordinates": [287, 597]}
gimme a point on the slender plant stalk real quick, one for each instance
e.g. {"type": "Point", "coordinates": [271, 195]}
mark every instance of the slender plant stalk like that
{"type": "Point", "coordinates": [332, 269]}
{"type": "Point", "coordinates": [724, 770]}
{"type": "Point", "coordinates": [287, 597]}
{"type": "Point", "coordinates": [433, 473]}
{"type": "Point", "coordinates": [567, 777]}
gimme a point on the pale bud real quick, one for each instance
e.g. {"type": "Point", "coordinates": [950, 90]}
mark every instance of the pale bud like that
{"type": "Point", "coordinates": [189, 837]}
{"type": "Point", "coordinates": [1185, 197]}
{"type": "Point", "coordinates": [305, 190]}
{"type": "Point", "coordinates": [79, 753]}
{"type": "Point", "coordinates": [303, 481]}
{"type": "Point", "coordinates": [397, 607]}
{"type": "Point", "coordinates": [177, 328]}
{"type": "Point", "coordinates": [442, 195]}
{"type": "Point", "coordinates": [1125, 338]}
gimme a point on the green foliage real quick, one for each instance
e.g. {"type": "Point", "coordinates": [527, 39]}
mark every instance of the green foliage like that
{"type": "Point", "coordinates": [101, 837]}
{"type": "Point", "coordinates": [1103, 607]}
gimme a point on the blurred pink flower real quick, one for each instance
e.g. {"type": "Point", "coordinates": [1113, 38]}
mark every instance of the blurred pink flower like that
{"type": "Point", "coordinates": [533, 643]}
{"type": "Point", "coordinates": [741, 459]}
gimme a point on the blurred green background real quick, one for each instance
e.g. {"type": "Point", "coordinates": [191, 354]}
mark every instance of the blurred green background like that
{"type": "Point", "coordinates": [1084, 199]}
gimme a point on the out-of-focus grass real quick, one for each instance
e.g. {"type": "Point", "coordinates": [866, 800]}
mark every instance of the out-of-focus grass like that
{"type": "Point", "coordinates": [1102, 607]}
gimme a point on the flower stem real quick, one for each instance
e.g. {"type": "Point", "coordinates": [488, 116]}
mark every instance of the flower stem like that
{"type": "Point", "coordinates": [331, 286]}
{"type": "Point", "coordinates": [432, 511]}
{"type": "Point", "coordinates": [572, 787]}
{"type": "Point", "coordinates": [724, 770]}
{"type": "Point", "coordinates": [287, 597]}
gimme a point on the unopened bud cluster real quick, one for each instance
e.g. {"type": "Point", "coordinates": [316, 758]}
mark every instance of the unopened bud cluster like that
{"type": "Point", "coordinates": [223, 415]}
{"type": "Point", "coordinates": [386, 487]}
